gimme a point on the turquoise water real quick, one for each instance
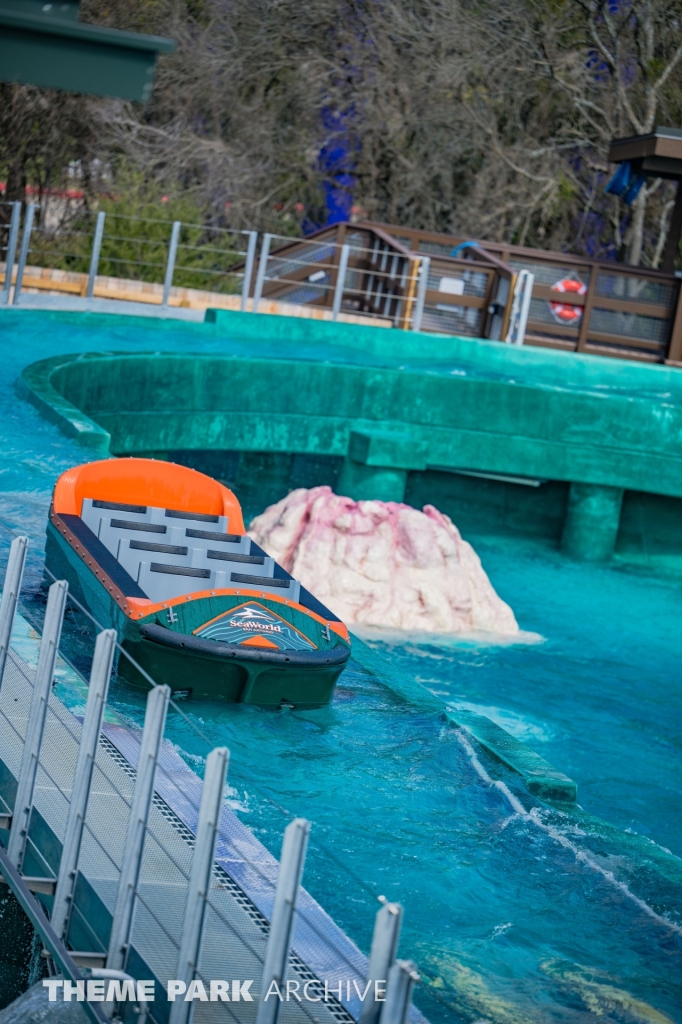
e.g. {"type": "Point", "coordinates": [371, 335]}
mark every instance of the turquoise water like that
{"type": "Point", "coordinates": [513, 913]}
{"type": "Point", "coordinates": [601, 698]}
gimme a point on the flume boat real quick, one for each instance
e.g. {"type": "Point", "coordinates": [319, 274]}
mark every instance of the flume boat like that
{"type": "Point", "coordinates": [159, 552]}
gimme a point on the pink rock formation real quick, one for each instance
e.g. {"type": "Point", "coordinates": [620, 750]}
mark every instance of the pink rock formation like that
{"type": "Point", "coordinates": [382, 563]}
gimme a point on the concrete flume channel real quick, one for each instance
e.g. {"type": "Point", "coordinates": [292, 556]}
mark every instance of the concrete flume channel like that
{"type": "Point", "coordinates": [597, 443]}
{"type": "Point", "coordinates": [568, 441]}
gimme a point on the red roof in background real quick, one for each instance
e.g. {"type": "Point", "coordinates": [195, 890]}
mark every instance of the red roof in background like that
{"type": "Point", "coordinates": [63, 193]}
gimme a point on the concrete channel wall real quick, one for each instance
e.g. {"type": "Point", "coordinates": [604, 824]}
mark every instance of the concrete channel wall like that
{"type": "Point", "coordinates": [396, 419]}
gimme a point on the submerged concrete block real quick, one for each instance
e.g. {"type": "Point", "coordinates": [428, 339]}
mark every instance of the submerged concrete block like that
{"type": "Point", "coordinates": [541, 778]}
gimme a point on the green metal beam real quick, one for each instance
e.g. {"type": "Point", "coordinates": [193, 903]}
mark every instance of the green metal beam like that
{"type": "Point", "coordinates": [40, 45]}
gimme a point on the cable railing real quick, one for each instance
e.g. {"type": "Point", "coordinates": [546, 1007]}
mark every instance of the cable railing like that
{"type": "Point", "coordinates": [175, 882]}
{"type": "Point", "coordinates": [114, 256]}
{"type": "Point", "coordinates": [361, 274]}
{"type": "Point", "coordinates": [10, 220]}
{"type": "Point", "coordinates": [347, 272]}
{"type": "Point", "coordinates": [354, 273]}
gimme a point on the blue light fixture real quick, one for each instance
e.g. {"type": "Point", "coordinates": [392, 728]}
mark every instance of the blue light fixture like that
{"type": "Point", "coordinates": [620, 182]}
{"type": "Point", "coordinates": [625, 184]}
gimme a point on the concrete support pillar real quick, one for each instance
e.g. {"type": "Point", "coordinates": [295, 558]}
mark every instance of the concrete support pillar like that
{"type": "Point", "coordinates": [591, 523]}
{"type": "Point", "coordinates": [367, 483]}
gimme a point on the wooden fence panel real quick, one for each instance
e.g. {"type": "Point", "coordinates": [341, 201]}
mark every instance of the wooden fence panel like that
{"type": "Point", "coordinates": [585, 305]}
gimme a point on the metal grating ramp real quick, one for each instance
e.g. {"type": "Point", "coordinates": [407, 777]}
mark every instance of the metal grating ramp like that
{"type": "Point", "coordinates": [236, 927]}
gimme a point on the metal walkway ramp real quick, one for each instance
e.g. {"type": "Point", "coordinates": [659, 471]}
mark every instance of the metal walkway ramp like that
{"type": "Point", "coordinates": [131, 869]}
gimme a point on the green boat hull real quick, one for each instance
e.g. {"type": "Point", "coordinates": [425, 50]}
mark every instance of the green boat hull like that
{"type": "Point", "coordinates": [234, 680]}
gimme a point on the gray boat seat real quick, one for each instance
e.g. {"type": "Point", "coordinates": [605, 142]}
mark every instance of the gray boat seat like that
{"type": "Point", "coordinates": [207, 539]}
{"type": "Point", "coordinates": [289, 589]}
{"type": "Point", "coordinates": [133, 551]}
{"type": "Point", "coordinates": [170, 553]}
{"type": "Point", "coordinates": [164, 580]}
{"type": "Point", "coordinates": [94, 511]}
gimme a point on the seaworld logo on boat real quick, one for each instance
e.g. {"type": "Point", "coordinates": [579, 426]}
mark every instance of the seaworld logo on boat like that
{"type": "Point", "coordinates": [255, 624]}
{"type": "Point", "coordinates": [251, 619]}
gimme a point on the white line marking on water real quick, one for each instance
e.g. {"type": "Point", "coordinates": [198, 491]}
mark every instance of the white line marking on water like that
{"type": "Point", "coordinates": [580, 855]}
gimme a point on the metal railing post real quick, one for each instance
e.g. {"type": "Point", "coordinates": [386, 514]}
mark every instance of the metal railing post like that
{"type": "Point", "coordinates": [520, 308]}
{"type": "Point", "coordinates": [170, 263]}
{"type": "Point", "coordinates": [401, 979]}
{"type": "Point", "coordinates": [23, 252]}
{"type": "Point", "coordinates": [381, 957]}
{"type": "Point", "coordinates": [248, 268]}
{"type": "Point", "coordinates": [201, 874]}
{"type": "Point", "coordinates": [421, 293]}
{"type": "Point", "coordinates": [152, 734]}
{"type": "Point", "coordinates": [49, 646]}
{"type": "Point", "coordinates": [525, 308]}
{"type": "Point", "coordinates": [11, 251]}
{"type": "Point", "coordinates": [10, 596]}
{"type": "Point", "coordinates": [340, 280]}
{"type": "Point", "coordinates": [282, 921]}
{"type": "Point", "coordinates": [94, 255]}
{"type": "Point", "coordinates": [82, 780]}
{"type": "Point", "coordinates": [262, 270]}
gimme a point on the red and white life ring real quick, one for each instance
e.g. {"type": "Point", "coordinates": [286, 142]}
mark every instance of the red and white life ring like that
{"type": "Point", "coordinates": [562, 311]}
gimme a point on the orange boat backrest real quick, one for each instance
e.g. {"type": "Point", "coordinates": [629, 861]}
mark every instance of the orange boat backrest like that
{"type": "Point", "coordinates": [146, 482]}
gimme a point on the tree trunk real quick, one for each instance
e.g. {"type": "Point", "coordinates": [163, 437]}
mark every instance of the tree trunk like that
{"type": "Point", "coordinates": [637, 229]}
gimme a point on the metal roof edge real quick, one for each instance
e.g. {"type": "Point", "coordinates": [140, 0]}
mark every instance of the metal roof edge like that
{"type": "Point", "coordinates": [96, 34]}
